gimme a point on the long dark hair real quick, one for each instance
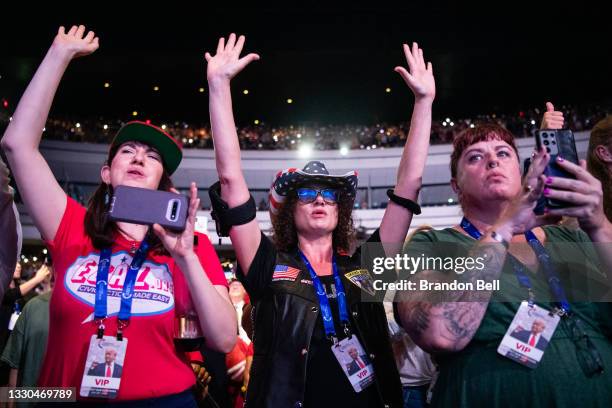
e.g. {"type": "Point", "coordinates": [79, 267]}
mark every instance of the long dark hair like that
{"type": "Point", "coordinates": [285, 233]}
{"type": "Point", "coordinates": [98, 228]}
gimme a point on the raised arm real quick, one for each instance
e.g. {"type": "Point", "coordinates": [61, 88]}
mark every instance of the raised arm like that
{"type": "Point", "coordinates": [396, 220]}
{"type": "Point", "coordinates": [41, 193]}
{"type": "Point", "coordinates": [222, 67]}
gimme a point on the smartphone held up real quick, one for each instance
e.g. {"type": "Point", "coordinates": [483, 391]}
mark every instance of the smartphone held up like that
{"type": "Point", "coordinates": [148, 207]}
{"type": "Point", "coordinates": [557, 143]}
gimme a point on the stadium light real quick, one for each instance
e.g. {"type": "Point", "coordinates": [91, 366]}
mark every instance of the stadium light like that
{"type": "Point", "coordinates": [156, 88]}
{"type": "Point", "coordinates": [78, 125]}
{"type": "Point", "coordinates": [45, 251]}
{"type": "Point", "coordinates": [388, 90]}
{"type": "Point", "coordinates": [256, 121]}
{"type": "Point", "coordinates": [107, 84]}
{"type": "Point", "coordinates": [201, 90]}
{"type": "Point", "coordinates": [533, 122]}
{"type": "Point", "coordinates": [344, 151]}
{"type": "Point", "coordinates": [245, 92]}
{"type": "Point", "coordinates": [305, 151]}
{"type": "Point", "coordinates": [290, 101]}
{"type": "Point", "coordinates": [105, 127]}
{"type": "Point", "coordinates": [163, 127]}
{"type": "Point", "coordinates": [135, 113]}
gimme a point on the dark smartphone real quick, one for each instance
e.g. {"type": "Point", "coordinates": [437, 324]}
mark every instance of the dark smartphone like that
{"type": "Point", "coordinates": [557, 143]}
{"type": "Point", "coordinates": [148, 207]}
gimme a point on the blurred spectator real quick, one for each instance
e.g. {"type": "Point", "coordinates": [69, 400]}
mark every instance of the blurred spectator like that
{"type": "Point", "coordinates": [13, 303]}
{"type": "Point", "coordinates": [10, 238]}
{"type": "Point", "coordinates": [26, 345]}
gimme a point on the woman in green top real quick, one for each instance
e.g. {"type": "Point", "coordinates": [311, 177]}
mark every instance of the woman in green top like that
{"type": "Point", "coordinates": [464, 329]}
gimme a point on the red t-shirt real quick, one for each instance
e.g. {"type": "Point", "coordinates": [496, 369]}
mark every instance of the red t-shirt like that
{"type": "Point", "coordinates": [152, 366]}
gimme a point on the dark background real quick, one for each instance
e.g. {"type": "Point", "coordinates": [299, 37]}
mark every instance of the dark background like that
{"type": "Point", "coordinates": [333, 61]}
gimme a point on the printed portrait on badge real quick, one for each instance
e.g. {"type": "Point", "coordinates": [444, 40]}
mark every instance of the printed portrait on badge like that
{"type": "Point", "coordinates": [103, 367]}
{"type": "Point", "coordinates": [528, 335]}
{"type": "Point", "coordinates": [355, 363]}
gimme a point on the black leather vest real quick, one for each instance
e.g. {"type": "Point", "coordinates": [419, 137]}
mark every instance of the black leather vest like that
{"type": "Point", "coordinates": [284, 320]}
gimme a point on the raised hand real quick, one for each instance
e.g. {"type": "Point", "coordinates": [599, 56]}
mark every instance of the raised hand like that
{"type": "Point", "coordinates": [42, 273]}
{"type": "Point", "coordinates": [180, 244]}
{"type": "Point", "coordinates": [74, 43]}
{"type": "Point", "coordinates": [583, 194]}
{"type": "Point", "coordinates": [420, 79]}
{"type": "Point", "coordinates": [552, 119]}
{"type": "Point", "coordinates": [226, 62]}
{"type": "Point", "coordinates": [519, 216]}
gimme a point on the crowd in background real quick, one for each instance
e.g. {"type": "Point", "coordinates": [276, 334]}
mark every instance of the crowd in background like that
{"type": "Point", "coordinates": [265, 136]}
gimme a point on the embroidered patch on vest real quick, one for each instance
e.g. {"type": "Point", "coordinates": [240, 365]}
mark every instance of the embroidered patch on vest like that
{"type": "Point", "coordinates": [362, 279]}
{"type": "Point", "coordinates": [285, 273]}
{"type": "Point", "coordinates": [306, 281]}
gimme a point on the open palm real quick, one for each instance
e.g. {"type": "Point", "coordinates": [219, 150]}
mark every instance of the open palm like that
{"type": "Point", "coordinates": [226, 62]}
{"type": "Point", "coordinates": [75, 43]}
{"type": "Point", "coordinates": [420, 77]}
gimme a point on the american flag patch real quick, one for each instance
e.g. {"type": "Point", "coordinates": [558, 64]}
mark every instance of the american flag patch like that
{"type": "Point", "coordinates": [285, 272]}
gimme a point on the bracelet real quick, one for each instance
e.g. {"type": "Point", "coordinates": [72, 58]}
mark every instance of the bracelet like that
{"type": "Point", "coordinates": [404, 202]}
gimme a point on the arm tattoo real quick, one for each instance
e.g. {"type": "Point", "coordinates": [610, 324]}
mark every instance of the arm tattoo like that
{"type": "Point", "coordinates": [455, 315]}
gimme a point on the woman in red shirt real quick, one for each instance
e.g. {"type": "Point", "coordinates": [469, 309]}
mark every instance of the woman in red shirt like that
{"type": "Point", "coordinates": [177, 265]}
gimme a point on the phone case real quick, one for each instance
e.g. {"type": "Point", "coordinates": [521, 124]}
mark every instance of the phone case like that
{"type": "Point", "coordinates": [557, 143]}
{"type": "Point", "coordinates": [148, 207]}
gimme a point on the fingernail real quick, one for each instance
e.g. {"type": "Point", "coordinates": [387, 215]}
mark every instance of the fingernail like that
{"type": "Point", "coordinates": [546, 191]}
{"type": "Point", "coordinates": [559, 158]}
{"type": "Point", "coordinates": [549, 180]}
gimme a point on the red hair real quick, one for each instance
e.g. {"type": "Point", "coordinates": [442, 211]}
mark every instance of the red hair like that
{"type": "Point", "coordinates": [477, 134]}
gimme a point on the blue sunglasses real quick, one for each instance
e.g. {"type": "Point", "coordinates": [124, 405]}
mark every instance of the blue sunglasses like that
{"type": "Point", "coordinates": [309, 195]}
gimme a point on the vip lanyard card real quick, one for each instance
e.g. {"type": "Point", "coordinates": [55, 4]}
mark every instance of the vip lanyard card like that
{"type": "Point", "coordinates": [13, 320]}
{"type": "Point", "coordinates": [528, 335]}
{"type": "Point", "coordinates": [103, 367]}
{"type": "Point", "coordinates": [354, 362]}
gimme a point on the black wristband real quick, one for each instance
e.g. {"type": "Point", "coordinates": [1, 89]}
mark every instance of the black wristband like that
{"type": "Point", "coordinates": [404, 202]}
{"type": "Point", "coordinates": [225, 217]}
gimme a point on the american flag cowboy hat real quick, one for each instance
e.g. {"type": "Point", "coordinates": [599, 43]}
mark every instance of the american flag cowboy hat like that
{"type": "Point", "coordinates": [314, 172]}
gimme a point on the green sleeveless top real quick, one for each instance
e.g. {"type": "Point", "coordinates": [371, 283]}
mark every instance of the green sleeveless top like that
{"type": "Point", "coordinates": [478, 376]}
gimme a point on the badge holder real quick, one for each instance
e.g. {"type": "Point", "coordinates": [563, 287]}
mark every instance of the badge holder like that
{"type": "Point", "coordinates": [355, 364]}
{"type": "Point", "coordinates": [529, 335]}
{"type": "Point", "coordinates": [104, 363]}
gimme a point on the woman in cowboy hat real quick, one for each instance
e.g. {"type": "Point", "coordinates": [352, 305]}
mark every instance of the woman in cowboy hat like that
{"type": "Point", "coordinates": [81, 238]}
{"type": "Point", "coordinates": [305, 288]}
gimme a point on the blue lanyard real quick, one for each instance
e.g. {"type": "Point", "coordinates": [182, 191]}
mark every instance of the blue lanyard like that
{"type": "Point", "coordinates": [326, 313]}
{"type": "Point", "coordinates": [125, 311]}
{"type": "Point", "coordinates": [554, 283]}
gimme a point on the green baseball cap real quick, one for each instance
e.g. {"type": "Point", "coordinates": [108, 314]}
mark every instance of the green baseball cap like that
{"type": "Point", "coordinates": [167, 146]}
